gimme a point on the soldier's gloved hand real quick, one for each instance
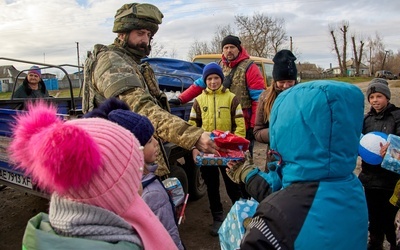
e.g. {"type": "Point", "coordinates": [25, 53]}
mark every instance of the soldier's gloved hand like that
{"type": "Point", "coordinates": [176, 101]}
{"type": "Point", "coordinates": [238, 170]}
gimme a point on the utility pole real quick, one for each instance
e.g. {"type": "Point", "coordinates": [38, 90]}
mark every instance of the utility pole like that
{"type": "Point", "coordinates": [291, 44]}
{"type": "Point", "coordinates": [370, 60]}
{"type": "Point", "coordinates": [384, 59]}
{"type": "Point", "coordinates": [79, 65]}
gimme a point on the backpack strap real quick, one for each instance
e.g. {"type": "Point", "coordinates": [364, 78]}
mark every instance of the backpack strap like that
{"type": "Point", "coordinates": [245, 64]}
{"type": "Point", "coordinates": [153, 86]}
{"type": "Point", "coordinates": [88, 79]}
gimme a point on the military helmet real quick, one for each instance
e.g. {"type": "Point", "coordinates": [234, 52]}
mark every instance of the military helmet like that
{"type": "Point", "coordinates": [135, 16]}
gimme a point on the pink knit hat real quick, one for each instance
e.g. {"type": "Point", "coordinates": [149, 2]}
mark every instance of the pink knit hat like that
{"type": "Point", "coordinates": [93, 161]}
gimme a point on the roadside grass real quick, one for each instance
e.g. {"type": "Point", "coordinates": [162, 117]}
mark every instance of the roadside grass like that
{"type": "Point", "coordinates": [352, 80]}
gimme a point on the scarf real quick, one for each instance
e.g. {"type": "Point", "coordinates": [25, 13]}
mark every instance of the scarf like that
{"type": "Point", "coordinates": [74, 219]}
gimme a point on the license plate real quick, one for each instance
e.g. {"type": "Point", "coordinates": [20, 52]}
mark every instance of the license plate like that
{"type": "Point", "coordinates": [16, 178]}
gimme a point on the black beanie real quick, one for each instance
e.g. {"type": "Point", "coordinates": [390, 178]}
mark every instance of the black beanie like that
{"type": "Point", "coordinates": [284, 66]}
{"type": "Point", "coordinates": [231, 40]}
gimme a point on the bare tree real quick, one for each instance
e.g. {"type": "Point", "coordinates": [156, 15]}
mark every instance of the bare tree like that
{"type": "Point", "coordinates": [278, 34]}
{"type": "Point", "coordinates": [198, 48]}
{"type": "Point", "coordinates": [394, 64]}
{"type": "Point", "coordinates": [214, 47]}
{"type": "Point", "coordinates": [157, 50]}
{"type": "Point", "coordinates": [173, 53]}
{"type": "Point", "coordinates": [335, 47]}
{"type": "Point", "coordinates": [342, 57]}
{"type": "Point", "coordinates": [344, 29]}
{"type": "Point", "coordinates": [377, 51]}
{"type": "Point", "coordinates": [261, 35]}
{"type": "Point", "coordinates": [221, 33]}
{"type": "Point", "coordinates": [357, 55]}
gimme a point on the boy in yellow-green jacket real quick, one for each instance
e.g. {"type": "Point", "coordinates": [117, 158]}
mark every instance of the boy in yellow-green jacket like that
{"type": "Point", "coordinates": [217, 108]}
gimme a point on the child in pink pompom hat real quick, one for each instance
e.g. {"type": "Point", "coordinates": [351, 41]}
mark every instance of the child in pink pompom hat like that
{"type": "Point", "coordinates": [93, 169]}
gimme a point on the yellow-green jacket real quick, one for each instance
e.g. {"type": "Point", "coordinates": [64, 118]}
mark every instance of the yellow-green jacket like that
{"type": "Point", "coordinates": [218, 110]}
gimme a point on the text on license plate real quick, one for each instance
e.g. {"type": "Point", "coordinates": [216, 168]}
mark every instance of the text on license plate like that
{"type": "Point", "coordinates": [16, 178]}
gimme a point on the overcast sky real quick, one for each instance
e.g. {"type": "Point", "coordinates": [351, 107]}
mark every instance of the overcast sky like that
{"type": "Point", "coordinates": [48, 31]}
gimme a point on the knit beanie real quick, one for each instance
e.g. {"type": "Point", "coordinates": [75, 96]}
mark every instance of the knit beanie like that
{"type": "Point", "coordinates": [212, 68]}
{"type": "Point", "coordinates": [284, 66]}
{"type": "Point", "coordinates": [378, 85]}
{"type": "Point", "coordinates": [231, 40]}
{"type": "Point", "coordinates": [139, 125]}
{"type": "Point", "coordinates": [118, 111]}
{"type": "Point", "coordinates": [35, 70]}
{"type": "Point", "coordinates": [92, 161]}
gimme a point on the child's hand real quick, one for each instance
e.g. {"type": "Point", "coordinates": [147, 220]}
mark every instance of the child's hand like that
{"type": "Point", "coordinates": [195, 153]}
{"type": "Point", "coordinates": [384, 148]}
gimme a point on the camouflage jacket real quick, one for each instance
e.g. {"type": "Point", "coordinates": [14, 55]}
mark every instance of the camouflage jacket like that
{"type": "Point", "coordinates": [112, 72]}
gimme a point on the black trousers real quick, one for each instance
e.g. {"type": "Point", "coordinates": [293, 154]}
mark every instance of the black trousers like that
{"type": "Point", "coordinates": [250, 137]}
{"type": "Point", "coordinates": [381, 215]}
{"type": "Point", "coordinates": [210, 175]}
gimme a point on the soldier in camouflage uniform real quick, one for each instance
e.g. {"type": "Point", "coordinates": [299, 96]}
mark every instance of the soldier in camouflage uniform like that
{"type": "Point", "coordinates": [116, 71]}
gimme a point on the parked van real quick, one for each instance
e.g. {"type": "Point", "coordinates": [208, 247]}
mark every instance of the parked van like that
{"type": "Point", "coordinates": [265, 65]}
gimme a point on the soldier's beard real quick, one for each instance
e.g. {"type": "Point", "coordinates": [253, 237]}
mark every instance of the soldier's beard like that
{"type": "Point", "coordinates": [143, 47]}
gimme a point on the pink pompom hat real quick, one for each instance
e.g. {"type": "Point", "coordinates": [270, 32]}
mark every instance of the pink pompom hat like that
{"type": "Point", "coordinates": [93, 161]}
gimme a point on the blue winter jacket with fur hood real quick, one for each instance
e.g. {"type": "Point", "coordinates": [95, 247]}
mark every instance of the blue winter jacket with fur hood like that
{"type": "Point", "coordinates": [315, 127]}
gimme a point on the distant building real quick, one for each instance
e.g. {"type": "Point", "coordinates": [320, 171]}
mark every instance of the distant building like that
{"type": "Point", "coordinates": [48, 76]}
{"type": "Point", "coordinates": [8, 75]}
{"type": "Point", "coordinates": [309, 71]}
{"type": "Point", "coordinates": [351, 69]}
{"type": "Point", "coordinates": [76, 80]}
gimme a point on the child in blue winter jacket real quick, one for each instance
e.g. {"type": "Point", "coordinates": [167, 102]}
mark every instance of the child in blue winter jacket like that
{"type": "Point", "coordinates": [154, 193]}
{"type": "Point", "coordinates": [310, 198]}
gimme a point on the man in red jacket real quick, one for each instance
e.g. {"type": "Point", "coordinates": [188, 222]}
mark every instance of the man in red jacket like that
{"type": "Point", "coordinates": [242, 77]}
